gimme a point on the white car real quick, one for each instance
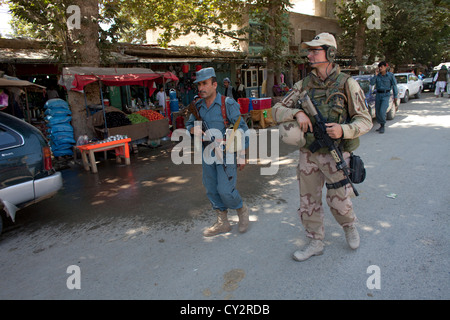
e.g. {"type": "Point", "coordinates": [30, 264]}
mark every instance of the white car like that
{"type": "Point", "coordinates": [408, 84]}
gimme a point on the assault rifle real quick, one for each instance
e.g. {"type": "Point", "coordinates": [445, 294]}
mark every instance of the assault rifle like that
{"type": "Point", "coordinates": [218, 147]}
{"type": "Point", "coordinates": [324, 140]}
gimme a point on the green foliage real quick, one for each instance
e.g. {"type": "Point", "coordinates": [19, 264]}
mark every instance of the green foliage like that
{"type": "Point", "coordinates": [273, 34]}
{"type": "Point", "coordinates": [39, 19]}
{"type": "Point", "coordinates": [411, 31]}
{"type": "Point", "coordinates": [177, 18]}
{"type": "Point", "coordinates": [128, 20]}
{"type": "Point", "coordinates": [47, 20]}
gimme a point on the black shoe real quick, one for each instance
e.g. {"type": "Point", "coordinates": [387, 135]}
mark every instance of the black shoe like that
{"type": "Point", "coordinates": [381, 130]}
{"type": "Point", "coordinates": [381, 126]}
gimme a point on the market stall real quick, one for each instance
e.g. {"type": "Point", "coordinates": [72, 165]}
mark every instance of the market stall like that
{"type": "Point", "coordinates": [18, 86]}
{"type": "Point", "coordinates": [76, 78]}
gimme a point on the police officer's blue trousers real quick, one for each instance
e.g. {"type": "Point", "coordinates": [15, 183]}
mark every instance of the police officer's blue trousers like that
{"type": "Point", "coordinates": [220, 190]}
{"type": "Point", "coordinates": [381, 106]}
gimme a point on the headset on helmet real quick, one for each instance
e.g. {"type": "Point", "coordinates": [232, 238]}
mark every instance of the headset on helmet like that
{"type": "Point", "coordinates": [331, 53]}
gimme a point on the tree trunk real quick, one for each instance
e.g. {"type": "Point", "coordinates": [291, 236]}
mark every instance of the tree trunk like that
{"type": "Point", "coordinates": [88, 55]}
{"type": "Point", "coordinates": [273, 66]}
{"type": "Point", "coordinates": [77, 102]}
{"type": "Point", "coordinates": [87, 36]}
{"type": "Point", "coordinates": [359, 42]}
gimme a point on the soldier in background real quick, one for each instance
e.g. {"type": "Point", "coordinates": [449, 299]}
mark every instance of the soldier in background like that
{"type": "Point", "coordinates": [341, 102]}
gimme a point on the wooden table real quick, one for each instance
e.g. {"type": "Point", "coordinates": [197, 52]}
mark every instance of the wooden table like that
{"type": "Point", "coordinates": [120, 146]}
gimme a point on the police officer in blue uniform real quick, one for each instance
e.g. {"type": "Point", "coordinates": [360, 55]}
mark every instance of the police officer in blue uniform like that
{"type": "Point", "coordinates": [219, 179]}
{"type": "Point", "coordinates": [384, 81]}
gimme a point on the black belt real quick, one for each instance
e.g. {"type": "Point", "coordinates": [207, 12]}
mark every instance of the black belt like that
{"type": "Point", "coordinates": [383, 91]}
{"type": "Point", "coordinates": [337, 184]}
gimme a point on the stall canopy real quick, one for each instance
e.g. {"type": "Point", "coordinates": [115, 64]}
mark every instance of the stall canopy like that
{"type": "Point", "coordinates": [22, 84]}
{"type": "Point", "coordinates": [16, 86]}
{"type": "Point", "coordinates": [76, 78]}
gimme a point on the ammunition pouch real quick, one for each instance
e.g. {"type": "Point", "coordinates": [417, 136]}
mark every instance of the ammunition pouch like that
{"type": "Point", "coordinates": [357, 170]}
{"type": "Point", "coordinates": [357, 173]}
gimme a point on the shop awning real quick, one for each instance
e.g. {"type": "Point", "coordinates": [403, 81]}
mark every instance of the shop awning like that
{"type": "Point", "coordinates": [169, 76]}
{"type": "Point", "coordinates": [76, 78]}
{"type": "Point", "coordinates": [23, 84]}
{"type": "Point", "coordinates": [17, 86]}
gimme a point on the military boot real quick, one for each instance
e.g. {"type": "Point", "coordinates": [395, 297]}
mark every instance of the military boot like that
{"type": "Point", "coordinates": [222, 225]}
{"type": "Point", "coordinates": [352, 237]}
{"type": "Point", "coordinates": [243, 218]}
{"type": "Point", "coordinates": [314, 248]}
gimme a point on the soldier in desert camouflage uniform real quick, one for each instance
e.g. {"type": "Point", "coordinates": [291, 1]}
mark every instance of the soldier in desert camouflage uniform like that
{"type": "Point", "coordinates": [341, 102]}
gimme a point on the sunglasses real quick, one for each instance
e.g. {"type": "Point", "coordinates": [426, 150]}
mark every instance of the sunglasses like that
{"type": "Point", "coordinates": [314, 51]}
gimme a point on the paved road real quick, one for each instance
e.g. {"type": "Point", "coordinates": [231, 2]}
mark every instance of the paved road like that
{"type": "Point", "coordinates": [134, 232]}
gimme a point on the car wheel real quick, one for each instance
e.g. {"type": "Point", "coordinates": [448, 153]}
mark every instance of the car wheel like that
{"type": "Point", "coordinates": [406, 98]}
{"type": "Point", "coordinates": [417, 95]}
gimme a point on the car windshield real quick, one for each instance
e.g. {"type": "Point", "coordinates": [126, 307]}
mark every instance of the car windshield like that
{"type": "Point", "coordinates": [401, 79]}
{"type": "Point", "coordinates": [365, 85]}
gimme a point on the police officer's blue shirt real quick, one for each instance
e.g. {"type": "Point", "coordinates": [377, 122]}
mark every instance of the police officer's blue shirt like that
{"type": "Point", "coordinates": [213, 115]}
{"type": "Point", "coordinates": [386, 82]}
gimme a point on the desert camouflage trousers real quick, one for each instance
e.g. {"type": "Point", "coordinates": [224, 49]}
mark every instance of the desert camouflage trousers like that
{"type": "Point", "coordinates": [314, 169]}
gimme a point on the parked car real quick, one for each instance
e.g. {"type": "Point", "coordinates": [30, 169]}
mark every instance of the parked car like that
{"type": "Point", "coordinates": [370, 92]}
{"type": "Point", "coordinates": [408, 84]}
{"type": "Point", "coordinates": [26, 172]}
{"type": "Point", "coordinates": [428, 81]}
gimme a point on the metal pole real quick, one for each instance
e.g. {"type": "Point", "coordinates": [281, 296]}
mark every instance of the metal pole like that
{"type": "Point", "coordinates": [105, 134]}
{"type": "Point", "coordinates": [85, 102]}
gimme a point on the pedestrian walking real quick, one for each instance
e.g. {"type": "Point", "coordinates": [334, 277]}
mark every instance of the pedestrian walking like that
{"type": "Point", "coordinates": [341, 102]}
{"type": "Point", "coordinates": [421, 75]}
{"type": "Point", "coordinates": [240, 90]}
{"type": "Point", "coordinates": [162, 99]}
{"type": "Point", "coordinates": [448, 84]}
{"type": "Point", "coordinates": [229, 90]}
{"type": "Point", "coordinates": [219, 177]}
{"type": "Point", "coordinates": [384, 82]}
{"type": "Point", "coordinates": [441, 81]}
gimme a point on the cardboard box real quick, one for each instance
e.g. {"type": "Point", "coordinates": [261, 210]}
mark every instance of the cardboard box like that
{"type": "Point", "coordinates": [262, 118]}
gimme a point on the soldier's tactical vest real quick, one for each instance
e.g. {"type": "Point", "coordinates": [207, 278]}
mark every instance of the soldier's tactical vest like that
{"type": "Point", "coordinates": [331, 101]}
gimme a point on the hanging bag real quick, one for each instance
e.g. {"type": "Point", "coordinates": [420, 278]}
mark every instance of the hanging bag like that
{"type": "Point", "coordinates": [357, 170]}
